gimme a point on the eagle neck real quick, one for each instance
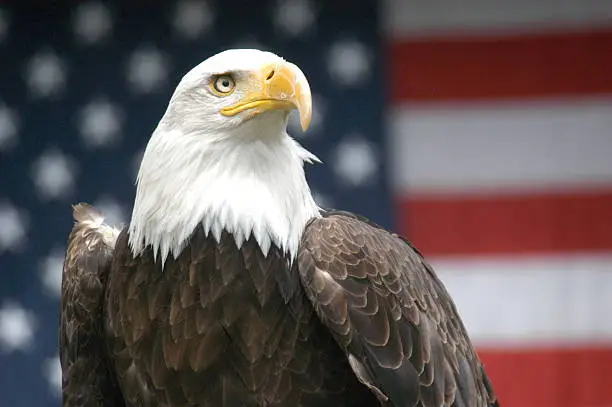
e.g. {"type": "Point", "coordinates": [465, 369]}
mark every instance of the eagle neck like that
{"type": "Point", "coordinates": [247, 186]}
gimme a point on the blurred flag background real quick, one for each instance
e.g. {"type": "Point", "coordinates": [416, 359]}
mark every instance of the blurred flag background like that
{"type": "Point", "coordinates": [480, 129]}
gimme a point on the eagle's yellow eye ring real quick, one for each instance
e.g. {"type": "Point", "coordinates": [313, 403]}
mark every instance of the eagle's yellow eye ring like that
{"type": "Point", "coordinates": [223, 85]}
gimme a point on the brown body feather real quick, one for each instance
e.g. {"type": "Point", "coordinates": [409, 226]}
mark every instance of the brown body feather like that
{"type": "Point", "coordinates": [359, 319]}
{"type": "Point", "coordinates": [87, 380]}
{"type": "Point", "coordinates": [391, 314]}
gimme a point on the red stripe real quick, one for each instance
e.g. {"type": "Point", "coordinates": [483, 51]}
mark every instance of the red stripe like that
{"type": "Point", "coordinates": [550, 377]}
{"type": "Point", "coordinates": [510, 224]}
{"type": "Point", "coordinates": [442, 69]}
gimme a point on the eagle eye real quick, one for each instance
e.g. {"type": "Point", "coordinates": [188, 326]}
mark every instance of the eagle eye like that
{"type": "Point", "coordinates": [223, 85]}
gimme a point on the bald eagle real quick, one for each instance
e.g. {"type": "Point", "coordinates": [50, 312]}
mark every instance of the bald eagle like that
{"type": "Point", "coordinates": [230, 287]}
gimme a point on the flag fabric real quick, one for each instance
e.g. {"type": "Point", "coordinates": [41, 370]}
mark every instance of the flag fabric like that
{"type": "Point", "coordinates": [501, 151]}
{"type": "Point", "coordinates": [83, 85]}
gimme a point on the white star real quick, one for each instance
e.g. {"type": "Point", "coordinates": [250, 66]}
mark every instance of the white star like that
{"type": "Point", "coordinates": [322, 200]}
{"type": "Point", "coordinates": [9, 126]}
{"type": "Point", "coordinates": [45, 74]}
{"type": "Point", "coordinates": [294, 17]}
{"type": "Point", "coordinates": [51, 269]}
{"type": "Point", "coordinates": [100, 123]}
{"type": "Point", "coordinates": [4, 25]}
{"type": "Point", "coordinates": [92, 22]}
{"type": "Point", "coordinates": [52, 369]}
{"type": "Point", "coordinates": [114, 213]}
{"type": "Point", "coordinates": [147, 70]}
{"type": "Point", "coordinates": [349, 62]}
{"type": "Point", "coordinates": [355, 161]}
{"type": "Point", "coordinates": [192, 18]}
{"type": "Point", "coordinates": [54, 174]}
{"type": "Point", "coordinates": [16, 327]}
{"type": "Point", "coordinates": [13, 225]}
{"type": "Point", "coordinates": [319, 108]}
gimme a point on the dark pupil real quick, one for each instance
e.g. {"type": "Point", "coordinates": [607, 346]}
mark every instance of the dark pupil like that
{"type": "Point", "coordinates": [225, 83]}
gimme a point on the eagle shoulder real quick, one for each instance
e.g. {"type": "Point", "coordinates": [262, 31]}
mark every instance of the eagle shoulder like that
{"type": "Point", "coordinates": [389, 312]}
{"type": "Point", "coordinates": [85, 377]}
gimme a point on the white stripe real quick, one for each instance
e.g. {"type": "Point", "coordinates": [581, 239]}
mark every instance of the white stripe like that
{"type": "Point", "coordinates": [520, 145]}
{"type": "Point", "coordinates": [412, 18]}
{"type": "Point", "coordinates": [564, 300]}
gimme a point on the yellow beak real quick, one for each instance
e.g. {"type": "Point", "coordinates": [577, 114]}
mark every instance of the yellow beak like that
{"type": "Point", "coordinates": [277, 86]}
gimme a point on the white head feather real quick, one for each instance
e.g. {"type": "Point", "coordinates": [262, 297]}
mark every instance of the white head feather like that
{"type": "Point", "coordinates": [240, 173]}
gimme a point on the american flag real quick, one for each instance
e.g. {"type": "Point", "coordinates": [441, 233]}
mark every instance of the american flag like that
{"type": "Point", "coordinates": [480, 129]}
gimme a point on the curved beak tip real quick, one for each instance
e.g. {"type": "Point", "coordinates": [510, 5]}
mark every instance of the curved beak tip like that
{"type": "Point", "coordinates": [303, 96]}
{"type": "Point", "coordinates": [305, 118]}
{"type": "Point", "coordinates": [282, 85]}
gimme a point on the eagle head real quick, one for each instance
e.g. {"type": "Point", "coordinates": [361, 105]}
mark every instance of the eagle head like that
{"type": "Point", "coordinates": [230, 89]}
{"type": "Point", "coordinates": [220, 157]}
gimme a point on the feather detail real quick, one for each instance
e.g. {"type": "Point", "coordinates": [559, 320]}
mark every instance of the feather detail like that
{"type": "Point", "coordinates": [393, 317]}
{"type": "Point", "coordinates": [246, 185]}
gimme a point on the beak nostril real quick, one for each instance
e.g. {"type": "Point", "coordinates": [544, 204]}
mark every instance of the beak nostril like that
{"type": "Point", "coordinates": [270, 75]}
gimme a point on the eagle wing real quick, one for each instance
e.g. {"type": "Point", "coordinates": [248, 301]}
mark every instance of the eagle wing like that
{"type": "Point", "coordinates": [86, 380]}
{"type": "Point", "coordinates": [390, 314]}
